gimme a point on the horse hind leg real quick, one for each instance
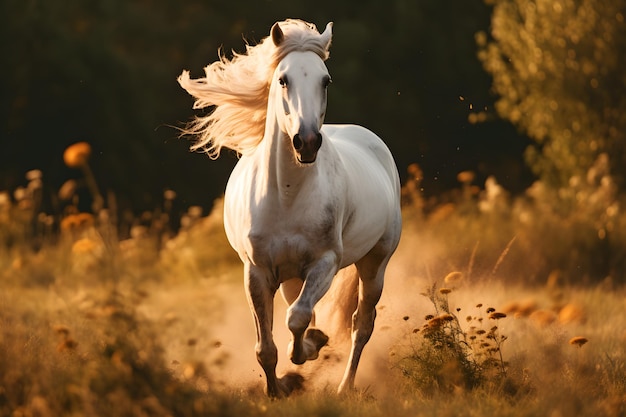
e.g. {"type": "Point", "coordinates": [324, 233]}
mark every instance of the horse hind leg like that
{"type": "Point", "coordinates": [371, 270]}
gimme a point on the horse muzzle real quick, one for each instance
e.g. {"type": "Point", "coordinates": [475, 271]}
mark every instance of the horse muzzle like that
{"type": "Point", "coordinates": [306, 144]}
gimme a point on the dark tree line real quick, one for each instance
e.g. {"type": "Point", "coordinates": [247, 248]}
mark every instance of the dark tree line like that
{"type": "Point", "coordinates": [105, 72]}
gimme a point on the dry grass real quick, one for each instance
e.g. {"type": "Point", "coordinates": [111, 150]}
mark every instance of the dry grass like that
{"type": "Point", "coordinates": [157, 325]}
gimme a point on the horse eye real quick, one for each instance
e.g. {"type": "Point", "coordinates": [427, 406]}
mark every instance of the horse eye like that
{"type": "Point", "coordinates": [326, 81]}
{"type": "Point", "coordinates": [283, 81]}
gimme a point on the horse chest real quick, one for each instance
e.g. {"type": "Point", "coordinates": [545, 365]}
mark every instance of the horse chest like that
{"type": "Point", "coordinates": [281, 239]}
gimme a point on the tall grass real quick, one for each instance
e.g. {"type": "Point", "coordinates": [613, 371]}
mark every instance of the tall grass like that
{"type": "Point", "coordinates": [108, 314]}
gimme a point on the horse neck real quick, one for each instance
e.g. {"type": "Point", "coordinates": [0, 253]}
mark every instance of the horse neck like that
{"type": "Point", "coordinates": [284, 175]}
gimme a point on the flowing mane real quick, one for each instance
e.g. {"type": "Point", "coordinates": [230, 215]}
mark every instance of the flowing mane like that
{"type": "Point", "coordinates": [239, 90]}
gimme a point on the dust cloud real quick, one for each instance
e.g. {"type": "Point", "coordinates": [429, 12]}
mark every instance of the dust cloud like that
{"type": "Point", "coordinates": [218, 320]}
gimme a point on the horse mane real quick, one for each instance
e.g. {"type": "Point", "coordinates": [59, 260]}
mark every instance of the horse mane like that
{"type": "Point", "coordinates": [238, 88]}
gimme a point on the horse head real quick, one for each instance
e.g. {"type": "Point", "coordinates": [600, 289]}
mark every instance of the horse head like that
{"type": "Point", "coordinates": [298, 88]}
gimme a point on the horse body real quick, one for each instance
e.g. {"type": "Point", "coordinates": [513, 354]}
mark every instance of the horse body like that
{"type": "Point", "coordinates": [307, 200]}
{"type": "Point", "coordinates": [345, 203]}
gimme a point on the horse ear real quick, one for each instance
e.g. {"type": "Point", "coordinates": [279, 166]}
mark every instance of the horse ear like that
{"type": "Point", "coordinates": [327, 35]}
{"type": "Point", "coordinates": [277, 34]}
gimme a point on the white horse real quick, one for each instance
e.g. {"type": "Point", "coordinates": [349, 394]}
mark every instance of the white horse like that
{"type": "Point", "coordinates": [305, 199]}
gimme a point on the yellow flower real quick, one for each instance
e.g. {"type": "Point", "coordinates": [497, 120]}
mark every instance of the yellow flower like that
{"type": "Point", "coordinates": [76, 155]}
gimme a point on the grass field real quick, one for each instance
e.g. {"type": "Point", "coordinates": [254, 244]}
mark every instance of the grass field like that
{"type": "Point", "coordinates": [492, 307]}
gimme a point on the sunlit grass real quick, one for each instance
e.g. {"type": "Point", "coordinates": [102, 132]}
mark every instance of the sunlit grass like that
{"type": "Point", "coordinates": [103, 314]}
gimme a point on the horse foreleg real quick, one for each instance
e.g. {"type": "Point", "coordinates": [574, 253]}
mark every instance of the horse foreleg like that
{"type": "Point", "coordinates": [306, 341]}
{"type": "Point", "coordinates": [260, 295]}
{"type": "Point", "coordinates": [371, 271]}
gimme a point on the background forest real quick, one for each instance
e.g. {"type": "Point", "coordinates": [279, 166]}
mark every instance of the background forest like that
{"type": "Point", "coordinates": [105, 72]}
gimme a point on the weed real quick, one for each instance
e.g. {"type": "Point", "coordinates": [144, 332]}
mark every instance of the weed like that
{"type": "Point", "coordinates": [453, 356]}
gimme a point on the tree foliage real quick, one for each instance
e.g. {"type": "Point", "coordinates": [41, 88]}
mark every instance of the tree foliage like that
{"type": "Point", "coordinates": [558, 69]}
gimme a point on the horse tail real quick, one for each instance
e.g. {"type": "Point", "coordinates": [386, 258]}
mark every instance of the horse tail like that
{"type": "Point", "coordinates": [340, 303]}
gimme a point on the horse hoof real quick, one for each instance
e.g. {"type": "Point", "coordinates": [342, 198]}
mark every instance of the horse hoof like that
{"type": "Point", "coordinates": [291, 382]}
{"type": "Point", "coordinates": [317, 337]}
{"type": "Point", "coordinates": [312, 342]}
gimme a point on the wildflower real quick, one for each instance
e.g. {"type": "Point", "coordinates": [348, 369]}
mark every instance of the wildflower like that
{"type": "Point", "coordinates": [77, 221]}
{"type": "Point", "coordinates": [68, 223]}
{"type": "Point", "coordinates": [447, 317]}
{"type": "Point", "coordinates": [445, 291]}
{"type": "Point", "coordinates": [414, 170]}
{"type": "Point", "coordinates": [578, 341]}
{"type": "Point", "coordinates": [68, 189]}
{"type": "Point", "coordinates": [435, 322]}
{"type": "Point", "coordinates": [46, 220]}
{"type": "Point", "coordinates": [571, 313]}
{"type": "Point", "coordinates": [84, 219]}
{"type": "Point", "coordinates": [19, 194]}
{"type": "Point", "coordinates": [194, 212]}
{"type": "Point", "coordinates": [465, 177]}
{"type": "Point", "coordinates": [84, 245]}
{"type": "Point", "coordinates": [496, 315]}
{"type": "Point", "coordinates": [169, 194]}
{"type": "Point", "coordinates": [34, 174]}
{"type": "Point", "coordinates": [453, 277]}
{"type": "Point", "coordinates": [76, 155]}
{"type": "Point", "coordinates": [543, 318]}
{"type": "Point", "coordinates": [138, 231]}
{"type": "Point", "coordinates": [5, 199]}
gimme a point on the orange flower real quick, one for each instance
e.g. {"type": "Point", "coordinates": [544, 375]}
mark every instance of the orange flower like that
{"type": "Point", "coordinates": [465, 177]}
{"type": "Point", "coordinates": [453, 277]}
{"type": "Point", "coordinates": [578, 341]}
{"type": "Point", "coordinates": [77, 221]}
{"type": "Point", "coordinates": [76, 155]}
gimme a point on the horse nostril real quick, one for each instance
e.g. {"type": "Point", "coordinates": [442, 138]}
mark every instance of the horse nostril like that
{"type": "Point", "coordinates": [297, 142]}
